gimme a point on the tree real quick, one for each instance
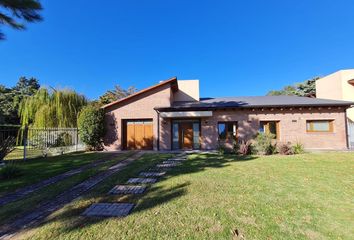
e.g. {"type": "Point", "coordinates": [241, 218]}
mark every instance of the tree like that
{"type": "Point", "coordinates": [117, 93]}
{"type": "Point", "coordinates": [10, 99]}
{"type": "Point", "coordinates": [91, 126]}
{"type": "Point", "coordinates": [56, 108]}
{"type": "Point", "coordinates": [14, 10]}
{"type": "Point", "coordinates": [304, 89]}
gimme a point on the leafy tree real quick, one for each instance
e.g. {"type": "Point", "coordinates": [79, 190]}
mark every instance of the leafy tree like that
{"type": "Point", "coordinates": [56, 108]}
{"type": "Point", "coordinates": [12, 11]}
{"type": "Point", "coordinates": [304, 89]}
{"type": "Point", "coordinates": [91, 126]}
{"type": "Point", "coordinates": [10, 99]}
{"type": "Point", "coordinates": [117, 93]}
{"type": "Point", "coordinates": [287, 90]}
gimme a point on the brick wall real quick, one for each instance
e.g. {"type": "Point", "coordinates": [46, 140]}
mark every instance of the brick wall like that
{"type": "Point", "coordinates": [139, 107]}
{"type": "Point", "coordinates": [292, 126]}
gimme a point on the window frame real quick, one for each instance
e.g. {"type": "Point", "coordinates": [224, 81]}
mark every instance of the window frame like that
{"type": "Point", "coordinates": [311, 121]}
{"type": "Point", "coordinates": [266, 123]}
{"type": "Point", "coordinates": [228, 137]}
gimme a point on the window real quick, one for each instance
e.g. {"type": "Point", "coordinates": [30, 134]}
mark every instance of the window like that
{"type": "Point", "coordinates": [196, 134]}
{"type": "Point", "coordinates": [319, 125]}
{"type": "Point", "coordinates": [227, 130]}
{"type": "Point", "coordinates": [270, 127]}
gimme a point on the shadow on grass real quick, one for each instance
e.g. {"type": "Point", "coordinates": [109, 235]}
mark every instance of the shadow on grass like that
{"type": "Point", "coordinates": [71, 217]}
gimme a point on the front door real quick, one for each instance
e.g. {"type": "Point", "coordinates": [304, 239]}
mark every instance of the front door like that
{"type": "Point", "coordinates": [186, 133]}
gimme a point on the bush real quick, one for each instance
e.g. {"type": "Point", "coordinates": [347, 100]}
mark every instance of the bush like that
{"type": "Point", "coordinates": [298, 148]}
{"type": "Point", "coordinates": [10, 171]}
{"type": "Point", "coordinates": [245, 147]}
{"type": "Point", "coordinates": [285, 149]}
{"type": "Point", "coordinates": [264, 144]}
{"type": "Point", "coordinates": [91, 126]}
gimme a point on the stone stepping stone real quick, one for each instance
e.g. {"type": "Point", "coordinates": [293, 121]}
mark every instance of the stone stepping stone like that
{"type": "Point", "coordinates": [126, 189]}
{"type": "Point", "coordinates": [109, 210]}
{"type": "Point", "coordinates": [142, 180]}
{"type": "Point", "coordinates": [152, 174]}
{"type": "Point", "coordinates": [171, 162]}
{"type": "Point", "coordinates": [167, 165]}
{"type": "Point", "coordinates": [177, 159]}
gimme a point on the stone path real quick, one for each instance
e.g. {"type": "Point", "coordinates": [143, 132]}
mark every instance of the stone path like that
{"type": "Point", "coordinates": [126, 189]}
{"type": "Point", "coordinates": [46, 208]}
{"type": "Point", "coordinates": [109, 210]}
{"type": "Point", "coordinates": [123, 209]}
{"type": "Point", "coordinates": [22, 192]}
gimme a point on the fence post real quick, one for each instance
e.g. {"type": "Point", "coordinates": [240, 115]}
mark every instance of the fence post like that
{"type": "Point", "coordinates": [25, 143]}
{"type": "Point", "coordinates": [77, 140]}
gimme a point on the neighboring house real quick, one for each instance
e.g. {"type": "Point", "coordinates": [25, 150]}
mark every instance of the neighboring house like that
{"type": "Point", "coordinates": [170, 115]}
{"type": "Point", "coordinates": [339, 86]}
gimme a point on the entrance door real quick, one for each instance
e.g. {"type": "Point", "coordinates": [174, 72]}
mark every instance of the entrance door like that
{"type": "Point", "coordinates": [186, 135]}
{"type": "Point", "coordinates": [138, 135]}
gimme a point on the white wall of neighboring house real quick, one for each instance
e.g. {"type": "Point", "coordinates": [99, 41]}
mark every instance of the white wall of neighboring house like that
{"type": "Point", "coordinates": [339, 86]}
{"type": "Point", "coordinates": [336, 86]}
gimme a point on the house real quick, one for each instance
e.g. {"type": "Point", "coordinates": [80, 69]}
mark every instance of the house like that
{"type": "Point", "coordinates": [339, 86]}
{"type": "Point", "coordinates": [171, 115]}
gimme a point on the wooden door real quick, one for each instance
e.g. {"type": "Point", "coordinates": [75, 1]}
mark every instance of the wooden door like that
{"type": "Point", "coordinates": [139, 135]}
{"type": "Point", "coordinates": [186, 133]}
{"type": "Point", "coordinates": [130, 141]}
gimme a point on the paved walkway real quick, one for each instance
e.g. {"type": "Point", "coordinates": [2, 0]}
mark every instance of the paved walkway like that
{"type": "Point", "coordinates": [46, 208]}
{"type": "Point", "coordinates": [122, 209]}
{"type": "Point", "coordinates": [22, 192]}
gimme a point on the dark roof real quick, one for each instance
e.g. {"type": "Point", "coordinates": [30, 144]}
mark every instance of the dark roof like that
{"type": "Point", "coordinates": [172, 81]}
{"type": "Point", "coordinates": [254, 102]}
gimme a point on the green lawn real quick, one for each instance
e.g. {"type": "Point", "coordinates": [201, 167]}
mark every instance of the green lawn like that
{"type": "Point", "coordinates": [35, 170]}
{"type": "Point", "coordinates": [307, 196]}
{"type": "Point", "coordinates": [14, 209]}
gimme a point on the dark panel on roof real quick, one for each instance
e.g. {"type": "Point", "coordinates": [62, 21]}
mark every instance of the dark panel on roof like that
{"type": "Point", "coordinates": [261, 101]}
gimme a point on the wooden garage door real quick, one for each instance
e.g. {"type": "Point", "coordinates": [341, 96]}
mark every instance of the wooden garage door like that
{"type": "Point", "coordinates": [139, 134]}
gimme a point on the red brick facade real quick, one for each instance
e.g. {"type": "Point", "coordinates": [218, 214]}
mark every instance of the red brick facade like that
{"type": "Point", "coordinates": [292, 122]}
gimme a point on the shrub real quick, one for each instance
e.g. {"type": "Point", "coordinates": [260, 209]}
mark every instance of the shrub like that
{"type": "Point", "coordinates": [91, 126]}
{"type": "Point", "coordinates": [245, 147]}
{"type": "Point", "coordinates": [298, 148]}
{"type": "Point", "coordinates": [10, 171]}
{"type": "Point", "coordinates": [221, 148]}
{"type": "Point", "coordinates": [6, 147]}
{"type": "Point", "coordinates": [285, 149]}
{"type": "Point", "coordinates": [264, 144]}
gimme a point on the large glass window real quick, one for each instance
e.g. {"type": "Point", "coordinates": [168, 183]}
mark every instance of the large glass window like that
{"type": "Point", "coordinates": [227, 130]}
{"type": "Point", "coordinates": [196, 144]}
{"type": "Point", "coordinates": [270, 127]}
{"type": "Point", "coordinates": [319, 125]}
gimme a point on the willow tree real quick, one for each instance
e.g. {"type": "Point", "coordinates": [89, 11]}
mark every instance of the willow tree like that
{"type": "Point", "coordinates": [56, 108]}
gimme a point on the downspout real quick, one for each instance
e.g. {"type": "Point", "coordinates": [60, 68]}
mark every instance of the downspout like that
{"type": "Point", "coordinates": [158, 130]}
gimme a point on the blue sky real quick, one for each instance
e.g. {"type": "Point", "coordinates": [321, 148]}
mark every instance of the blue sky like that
{"type": "Point", "coordinates": [235, 48]}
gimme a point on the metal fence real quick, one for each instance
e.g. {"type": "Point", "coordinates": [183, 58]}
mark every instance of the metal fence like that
{"type": "Point", "coordinates": [37, 142]}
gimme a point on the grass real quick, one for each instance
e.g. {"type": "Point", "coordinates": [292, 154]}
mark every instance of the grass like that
{"type": "Point", "coordinates": [14, 209]}
{"type": "Point", "coordinates": [35, 170]}
{"type": "Point", "coordinates": [307, 196]}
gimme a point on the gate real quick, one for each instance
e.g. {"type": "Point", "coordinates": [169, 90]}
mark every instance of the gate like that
{"type": "Point", "coordinates": [351, 134]}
